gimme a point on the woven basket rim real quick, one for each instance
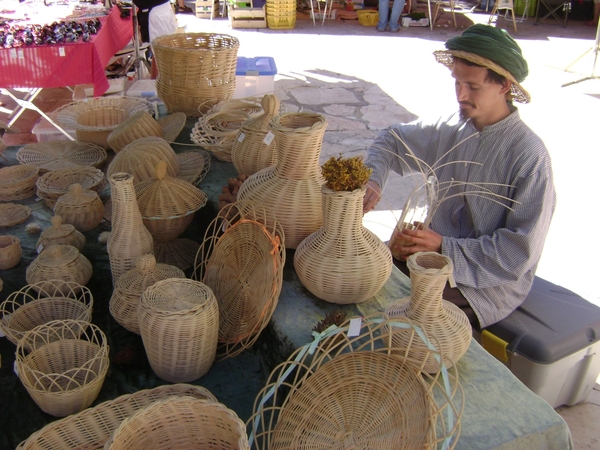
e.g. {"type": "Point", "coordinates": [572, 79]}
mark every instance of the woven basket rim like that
{"type": "Point", "coordinates": [161, 41]}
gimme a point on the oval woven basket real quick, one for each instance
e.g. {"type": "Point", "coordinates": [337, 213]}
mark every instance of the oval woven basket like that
{"type": "Point", "coordinates": [52, 185]}
{"type": "Point", "coordinates": [40, 303]}
{"type": "Point", "coordinates": [196, 70]}
{"type": "Point", "coordinates": [12, 214]}
{"type": "Point", "coordinates": [81, 208]}
{"type": "Point", "coordinates": [17, 182]}
{"type": "Point", "coordinates": [60, 233]}
{"type": "Point", "coordinates": [181, 423]}
{"type": "Point", "coordinates": [55, 155]}
{"type": "Point", "coordinates": [91, 428]}
{"type": "Point", "coordinates": [59, 262]}
{"type": "Point", "coordinates": [65, 367]}
{"type": "Point", "coordinates": [10, 251]}
{"type": "Point", "coordinates": [140, 125]}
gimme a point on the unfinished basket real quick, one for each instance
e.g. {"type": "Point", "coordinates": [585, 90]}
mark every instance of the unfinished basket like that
{"type": "Point", "coordinates": [43, 302]}
{"type": "Point", "coordinates": [17, 182]}
{"type": "Point", "coordinates": [59, 262]}
{"type": "Point", "coordinates": [13, 214]}
{"type": "Point", "coordinates": [52, 185]}
{"type": "Point", "coordinates": [140, 125]}
{"type": "Point", "coordinates": [195, 70]}
{"type": "Point", "coordinates": [178, 252]}
{"type": "Point", "coordinates": [172, 125]}
{"type": "Point", "coordinates": [55, 155]}
{"type": "Point", "coordinates": [65, 367]}
{"type": "Point", "coordinates": [356, 390]}
{"type": "Point", "coordinates": [81, 208]}
{"type": "Point", "coordinates": [179, 324]}
{"type": "Point", "coordinates": [60, 233]}
{"type": "Point", "coordinates": [181, 423]}
{"type": "Point", "coordinates": [10, 251]}
{"type": "Point", "coordinates": [131, 285]}
{"type": "Point", "coordinates": [241, 259]}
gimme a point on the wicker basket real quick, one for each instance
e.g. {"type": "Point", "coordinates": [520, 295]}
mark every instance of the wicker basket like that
{"type": "Point", "coordinates": [181, 423]}
{"type": "Point", "coordinates": [81, 208]}
{"type": "Point", "coordinates": [131, 285]}
{"type": "Point", "coordinates": [60, 233]}
{"type": "Point", "coordinates": [193, 165]}
{"type": "Point", "coordinates": [59, 262]}
{"type": "Point", "coordinates": [172, 125]}
{"type": "Point", "coordinates": [65, 368]}
{"type": "Point", "coordinates": [217, 131]}
{"type": "Point", "coordinates": [10, 251]}
{"type": "Point", "coordinates": [17, 182]}
{"type": "Point", "coordinates": [196, 70]}
{"type": "Point", "coordinates": [179, 324]}
{"type": "Point", "coordinates": [52, 185]}
{"type": "Point", "coordinates": [12, 214]}
{"type": "Point", "coordinates": [40, 303]}
{"type": "Point", "coordinates": [55, 155]}
{"type": "Point", "coordinates": [140, 125]}
{"type": "Point", "coordinates": [91, 429]}
{"type": "Point", "coordinates": [367, 17]}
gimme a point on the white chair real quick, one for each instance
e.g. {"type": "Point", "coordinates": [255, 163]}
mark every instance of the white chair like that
{"type": "Point", "coordinates": [507, 5]}
{"type": "Point", "coordinates": [439, 4]}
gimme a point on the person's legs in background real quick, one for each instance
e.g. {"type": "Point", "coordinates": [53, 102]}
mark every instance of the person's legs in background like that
{"type": "Point", "coordinates": [397, 9]}
{"type": "Point", "coordinates": [384, 8]}
{"type": "Point", "coordinates": [594, 21]}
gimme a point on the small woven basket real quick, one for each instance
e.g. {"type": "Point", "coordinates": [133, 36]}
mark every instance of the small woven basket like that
{"type": "Point", "coordinates": [60, 233]}
{"type": "Point", "coordinates": [52, 185]}
{"type": "Point", "coordinates": [58, 262]}
{"type": "Point", "coordinates": [181, 423]}
{"type": "Point", "coordinates": [65, 367]}
{"type": "Point", "coordinates": [41, 303]}
{"type": "Point", "coordinates": [17, 182]}
{"type": "Point", "coordinates": [81, 208]}
{"type": "Point", "coordinates": [13, 214]}
{"type": "Point", "coordinates": [55, 155]}
{"type": "Point", "coordinates": [10, 251]}
{"type": "Point", "coordinates": [179, 324]}
{"type": "Point", "coordinates": [140, 125]}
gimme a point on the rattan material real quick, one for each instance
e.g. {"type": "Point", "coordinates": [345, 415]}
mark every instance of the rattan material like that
{"type": "Point", "coordinates": [12, 214]}
{"type": "Point", "coordinates": [81, 208]}
{"type": "Point", "coordinates": [52, 185]}
{"type": "Point", "coordinates": [90, 429]}
{"type": "Point", "coordinates": [429, 273]}
{"type": "Point", "coordinates": [216, 131]}
{"type": "Point", "coordinates": [140, 125]}
{"type": "Point", "coordinates": [178, 252]}
{"type": "Point", "coordinates": [292, 187]}
{"type": "Point", "coordinates": [17, 182]}
{"type": "Point", "coordinates": [172, 125]}
{"type": "Point", "coordinates": [254, 146]}
{"type": "Point", "coordinates": [66, 366]}
{"type": "Point", "coordinates": [181, 423]}
{"type": "Point", "coordinates": [40, 303]}
{"type": "Point", "coordinates": [193, 165]}
{"type": "Point", "coordinates": [60, 233]}
{"type": "Point", "coordinates": [195, 70]}
{"type": "Point", "coordinates": [343, 262]}
{"type": "Point", "coordinates": [59, 262]}
{"type": "Point", "coordinates": [131, 285]}
{"type": "Point", "coordinates": [10, 251]}
{"type": "Point", "coordinates": [55, 155]}
{"type": "Point", "coordinates": [179, 324]}
{"type": "Point", "coordinates": [244, 268]}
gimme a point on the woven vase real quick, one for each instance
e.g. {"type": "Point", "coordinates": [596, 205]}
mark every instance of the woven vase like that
{"type": "Point", "coordinates": [291, 188]}
{"type": "Point", "coordinates": [59, 262]}
{"type": "Point", "coordinates": [10, 251]}
{"type": "Point", "coordinates": [60, 233]}
{"type": "Point", "coordinates": [81, 208]}
{"type": "Point", "coordinates": [254, 146]}
{"type": "Point", "coordinates": [129, 238]}
{"type": "Point", "coordinates": [429, 272]}
{"type": "Point", "coordinates": [343, 262]}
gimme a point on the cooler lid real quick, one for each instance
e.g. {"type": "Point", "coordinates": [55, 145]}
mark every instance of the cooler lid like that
{"type": "Point", "coordinates": [258, 65]}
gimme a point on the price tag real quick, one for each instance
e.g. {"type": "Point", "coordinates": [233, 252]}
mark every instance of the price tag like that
{"type": "Point", "coordinates": [354, 329]}
{"type": "Point", "coordinates": [241, 137]}
{"type": "Point", "coordinates": [2, 333]}
{"type": "Point", "coordinates": [61, 51]}
{"type": "Point", "coordinates": [40, 248]}
{"type": "Point", "coordinates": [15, 370]}
{"type": "Point", "coordinates": [269, 138]}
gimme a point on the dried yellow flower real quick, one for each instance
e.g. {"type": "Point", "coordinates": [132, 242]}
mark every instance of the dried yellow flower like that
{"type": "Point", "coordinates": [345, 174]}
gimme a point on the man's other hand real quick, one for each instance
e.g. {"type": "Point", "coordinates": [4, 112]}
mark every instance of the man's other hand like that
{"type": "Point", "coordinates": [420, 241]}
{"type": "Point", "coordinates": [372, 196]}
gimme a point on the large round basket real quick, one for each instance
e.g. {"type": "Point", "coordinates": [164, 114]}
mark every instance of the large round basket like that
{"type": "Point", "coordinates": [10, 251]}
{"type": "Point", "coordinates": [13, 214]}
{"type": "Point", "coordinates": [55, 155]}
{"type": "Point", "coordinates": [81, 208]}
{"type": "Point", "coordinates": [44, 302]}
{"type": "Point", "coordinates": [65, 367]}
{"type": "Point", "coordinates": [196, 70]}
{"type": "Point", "coordinates": [17, 182]}
{"type": "Point", "coordinates": [52, 185]}
{"type": "Point", "coordinates": [140, 125]}
{"type": "Point", "coordinates": [91, 429]}
{"type": "Point", "coordinates": [59, 262]}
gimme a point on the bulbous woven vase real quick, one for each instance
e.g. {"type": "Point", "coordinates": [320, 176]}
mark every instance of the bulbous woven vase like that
{"type": "Point", "coordinates": [291, 189]}
{"type": "Point", "coordinates": [343, 262]}
{"type": "Point", "coordinates": [429, 272]}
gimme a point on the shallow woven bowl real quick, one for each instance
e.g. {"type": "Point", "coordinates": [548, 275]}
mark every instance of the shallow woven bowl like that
{"type": "Point", "coordinates": [17, 182]}
{"type": "Point", "coordinates": [61, 155]}
{"type": "Point", "coordinates": [140, 125]}
{"type": "Point", "coordinates": [13, 214]}
{"type": "Point", "coordinates": [10, 251]}
{"type": "Point", "coordinates": [52, 185]}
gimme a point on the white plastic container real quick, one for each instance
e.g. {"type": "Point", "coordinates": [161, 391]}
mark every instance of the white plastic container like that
{"type": "Point", "coordinates": [254, 76]}
{"type": "Point", "coordinates": [45, 132]}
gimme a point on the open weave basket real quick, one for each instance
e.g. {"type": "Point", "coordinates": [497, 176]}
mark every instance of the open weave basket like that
{"type": "Point", "coordinates": [17, 182]}
{"type": "Point", "coordinates": [40, 303]}
{"type": "Point", "coordinates": [10, 251]}
{"type": "Point", "coordinates": [54, 155]}
{"type": "Point", "coordinates": [81, 208]}
{"type": "Point", "coordinates": [140, 125]}
{"type": "Point", "coordinates": [195, 70]}
{"type": "Point", "coordinates": [356, 390]}
{"type": "Point", "coordinates": [59, 262]}
{"type": "Point", "coordinates": [13, 214]}
{"type": "Point", "coordinates": [52, 185]}
{"type": "Point", "coordinates": [65, 367]}
{"type": "Point", "coordinates": [91, 429]}
{"type": "Point", "coordinates": [60, 233]}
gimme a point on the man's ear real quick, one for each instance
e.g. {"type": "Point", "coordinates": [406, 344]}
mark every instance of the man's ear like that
{"type": "Point", "coordinates": [506, 84]}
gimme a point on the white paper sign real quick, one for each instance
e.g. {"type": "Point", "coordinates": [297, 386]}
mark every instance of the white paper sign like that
{"type": "Point", "coordinates": [354, 329]}
{"type": "Point", "coordinates": [241, 137]}
{"type": "Point", "coordinates": [269, 138]}
{"type": "Point", "coordinates": [61, 51]}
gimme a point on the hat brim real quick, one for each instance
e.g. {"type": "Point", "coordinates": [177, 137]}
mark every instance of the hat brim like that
{"type": "Point", "coordinates": [446, 57]}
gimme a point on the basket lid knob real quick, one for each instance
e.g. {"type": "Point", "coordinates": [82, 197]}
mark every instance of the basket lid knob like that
{"type": "Point", "coordinates": [146, 263]}
{"type": "Point", "coordinates": [161, 170]}
{"type": "Point", "coordinates": [75, 189]}
{"type": "Point", "coordinates": [56, 221]}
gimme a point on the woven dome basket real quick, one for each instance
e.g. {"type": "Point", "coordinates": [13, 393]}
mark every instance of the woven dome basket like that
{"type": "Point", "coordinates": [59, 262]}
{"type": "Point", "coordinates": [55, 155]}
{"type": "Point", "coordinates": [52, 185]}
{"type": "Point", "coordinates": [91, 428]}
{"type": "Point", "coordinates": [60, 233]}
{"type": "Point", "coordinates": [195, 70]}
{"type": "Point", "coordinates": [131, 285]}
{"type": "Point", "coordinates": [178, 252]}
{"type": "Point", "coordinates": [10, 251]}
{"type": "Point", "coordinates": [181, 423]}
{"type": "Point", "coordinates": [140, 125]}
{"type": "Point", "coordinates": [179, 324]}
{"type": "Point", "coordinates": [17, 182]}
{"type": "Point", "coordinates": [244, 268]}
{"type": "Point", "coordinates": [66, 366]}
{"type": "Point", "coordinates": [13, 214]}
{"type": "Point", "coordinates": [43, 302]}
{"type": "Point", "coordinates": [356, 390]}
{"type": "Point", "coordinates": [81, 208]}
{"type": "Point", "coordinates": [172, 125]}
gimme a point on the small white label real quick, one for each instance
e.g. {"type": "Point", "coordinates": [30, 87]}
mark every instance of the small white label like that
{"type": "Point", "coordinates": [61, 51]}
{"type": "Point", "coordinates": [354, 328]}
{"type": "Point", "coordinates": [241, 137]}
{"type": "Point", "coordinates": [269, 138]}
{"type": "Point", "coordinates": [12, 53]}
{"type": "Point", "coordinates": [40, 248]}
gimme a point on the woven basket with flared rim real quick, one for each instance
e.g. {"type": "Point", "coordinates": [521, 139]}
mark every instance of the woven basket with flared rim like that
{"type": "Point", "coordinates": [181, 423]}
{"type": "Point", "coordinates": [52, 185]}
{"type": "Point", "coordinates": [59, 262]}
{"type": "Point", "coordinates": [13, 214]}
{"type": "Point", "coordinates": [179, 324]}
{"type": "Point", "coordinates": [81, 208]}
{"type": "Point", "coordinates": [357, 390]}
{"type": "Point", "coordinates": [10, 251]}
{"type": "Point", "coordinates": [244, 268]}
{"type": "Point", "coordinates": [60, 233]}
{"type": "Point", "coordinates": [65, 366]}
{"type": "Point", "coordinates": [91, 429]}
{"type": "Point", "coordinates": [178, 252]}
{"type": "Point", "coordinates": [17, 182]}
{"type": "Point", "coordinates": [94, 119]}
{"type": "Point", "coordinates": [55, 155]}
{"type": "Point", "coordinates": [40, 303]}
{"type": "Point", "coordinates": [172, 125]}
{"type": "Point", "coordinates": [167, 204]}
{"type": "Point", "coordinates": [196, 70]}
{"type": "Point", "coordinates": [140, 125]}
{"type": "Point", "coordinates": [131, 285]}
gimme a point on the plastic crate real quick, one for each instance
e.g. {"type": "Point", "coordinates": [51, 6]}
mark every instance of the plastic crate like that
{"type": "Point", "coordinates": [254, 76]}
{"type": "Point", "coordinates": [282, 21]}
{"type": "Point", "coordinates": [367, 17]}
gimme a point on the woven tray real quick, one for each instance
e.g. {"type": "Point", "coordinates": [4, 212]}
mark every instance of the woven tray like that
{"type": "Point", "coordinates": [55, 155]}
{"type": "Point", "coordinates": [17, 182]}
{"type": "Point", "coordinates": [13, 214]}
{"type": "Point", "coordinates": [52, 185]}
{"type": "Point", "coordinates": [10, 251]}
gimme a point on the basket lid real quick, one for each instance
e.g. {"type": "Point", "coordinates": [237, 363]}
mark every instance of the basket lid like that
{"type": "Point", "coordinates": [57, 255]}
{"type": "Point", "coordinates": [58, 229]}
{"type": "Point", "coordinates": [145, 273]}
{"type": "Point", "coordinates": [77, 196]}
{"type": "Point", "coordinates": [177, 296]}
{"type": "Point", "coordinates": [13, 214]}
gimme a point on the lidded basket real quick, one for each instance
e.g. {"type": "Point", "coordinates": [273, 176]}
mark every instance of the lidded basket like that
{"type": "Point", "coordinates": [59, 262]}
{"type": "Point", "coordinates": [52, 185]}
{"type": "Point", "coordinates": [60, 233]}
{"type": "Point", "coordinates": [17, 182]}
{"type": "Point", "coordinates": [10, 251]}
{"type": "Point", "coordinates": [81, 208]}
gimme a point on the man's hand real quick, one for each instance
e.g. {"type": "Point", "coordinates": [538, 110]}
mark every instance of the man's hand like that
{"type": "Point", "coordinates": [372, 196]}
{"type": "Point", "coordinates": [420, 241]}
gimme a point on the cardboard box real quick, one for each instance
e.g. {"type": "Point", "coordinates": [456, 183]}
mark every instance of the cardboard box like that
{"type": "Point", "coordinates": [551, 343]}
{"type": "Point", "coordinates": [254, 76]}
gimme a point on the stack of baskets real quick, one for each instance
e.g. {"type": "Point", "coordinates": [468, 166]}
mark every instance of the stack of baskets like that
{"type": "Point", "coordinates": [17, 182]}
{"type": "Point", "coordinates": [281, 14]}
{"type": "Point", "coordinates": [56, 183]}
